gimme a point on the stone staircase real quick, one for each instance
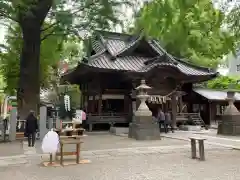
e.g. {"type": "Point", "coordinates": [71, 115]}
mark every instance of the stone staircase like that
{"type": "Point", "coordinates": [195, 117]}
{"type": "Point", "coordinates": [197, 120]}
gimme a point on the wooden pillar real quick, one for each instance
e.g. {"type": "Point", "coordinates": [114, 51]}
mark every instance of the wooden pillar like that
{"type": "Point", "coordinates": [128, 105]}
{"type": "Point", "coordinates": [212, 112]}
{"type": "Point", "coordinates": [91, 104]}
{"type": "Point", "coordinates": [94, 104]}
{"type": "Point", "coordinates": [174, 109]}
{"type": "Point", "coordinates": [86, 102]}
{"type": "Point", "coordinates": [83, 100]}
{"type": "Point", "coordinates": [180, 103]}
{"type": "Point", "coordinates": [125, 103]}
{"type": "Point", "coordinates": [130, 108]}
{"type": "Point", "coordinates": [86, 98]}
{"type": "Point", "coordinates": [208, 114]}
{"type": "Point", "coordinates": [100, 103]}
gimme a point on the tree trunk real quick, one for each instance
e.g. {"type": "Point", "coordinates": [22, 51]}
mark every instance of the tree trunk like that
{"type": "Point", "coordinates": [30, 21]}
{"type": "Point", "coordinates": [29, 83]}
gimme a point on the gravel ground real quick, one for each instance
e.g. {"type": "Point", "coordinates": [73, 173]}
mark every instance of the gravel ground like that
{"type": "Point", "coordinates": [120, 158]}
{"type": "Point", "coordinates": [221, 164]}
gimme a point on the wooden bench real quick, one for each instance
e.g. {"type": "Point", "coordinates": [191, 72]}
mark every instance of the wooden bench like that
{"type": "Point", "coordinates": [201, 148]}
{"type": "Point", "coordinates": [77, 142]}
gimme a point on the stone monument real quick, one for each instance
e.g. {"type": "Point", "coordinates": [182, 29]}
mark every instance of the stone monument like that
{"type": "Point", "coordinates": [13, 124]}
{"type": "Point", "coordinates": [230, 120]}
{"type": "Point", "coordinates": [143, 127]}
{"type": "Point", "coordinates": [42, 122]}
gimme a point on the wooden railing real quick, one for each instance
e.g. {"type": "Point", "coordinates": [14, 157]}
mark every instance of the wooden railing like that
{"type": "Point", "coordinates": [194, 117]}
{"type": "Point", "coordinates": [106, 118]}
{"type": "Point", "coordinates": [107, 114]}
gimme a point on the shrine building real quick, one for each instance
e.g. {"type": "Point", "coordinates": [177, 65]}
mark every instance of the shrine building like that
{"type": "Point", "coordinates": [113, 69]}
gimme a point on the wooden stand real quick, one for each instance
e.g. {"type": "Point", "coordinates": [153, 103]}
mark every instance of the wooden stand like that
{"type": "Point", "coordinates": [75, 140]}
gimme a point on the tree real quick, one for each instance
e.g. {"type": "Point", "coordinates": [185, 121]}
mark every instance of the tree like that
{"type": "Point", "coordinates": [64, 17]}
{"type": "Point", "coordinates": [189, 29]}
{"type": "Point", "coordinates": [224, 82]}
{"type": "Point", "coordinates": [233, 21]}
{"type": "Point", "coordinates": [53, 52]}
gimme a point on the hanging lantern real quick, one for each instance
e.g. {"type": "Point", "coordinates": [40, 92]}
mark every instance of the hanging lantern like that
{"type": "Point", "coordinates": [67, 102]}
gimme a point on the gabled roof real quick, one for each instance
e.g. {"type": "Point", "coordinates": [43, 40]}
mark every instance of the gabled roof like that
{"type": "Point", "coordinates": [113, 52]}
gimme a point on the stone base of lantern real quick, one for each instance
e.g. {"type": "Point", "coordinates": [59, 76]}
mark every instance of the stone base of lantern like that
{"type": "Point", "coordinates": [229, 125]}
{"type": "Point", "coordinates": [144, 128]}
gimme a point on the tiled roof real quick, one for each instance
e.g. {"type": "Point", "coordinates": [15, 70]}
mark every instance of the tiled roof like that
{"type": "Point", "coordinates": [108, 46]}
{"type": "Point", "coordinates": [215, 95]}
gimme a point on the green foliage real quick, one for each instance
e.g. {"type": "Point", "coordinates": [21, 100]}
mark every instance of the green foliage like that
{"type": "Point", "coordinates": [75, 99]}
{"type": "Point", "coordinates": [187, 28]}
{"type": "Point", "coordinates": [66, 17]}
{"type": "Point", "coordinates": [233, 22]}
{"type": "Point", "coordinates": [53, 51]}
{"type": "Point", "coordinates": [2, 83]}
{"type": "Point", "coordinates": [224, 82]}
{"type": "Point", "coordinates": [74, 93]}
{"type": "Point", "coordinates": [9, 59]}
{"type": "Point", "coordinates": [51, 18]}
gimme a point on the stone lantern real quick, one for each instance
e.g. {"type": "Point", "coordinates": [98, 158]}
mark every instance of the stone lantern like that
{"type": "Point", "coordinates": [230, 120]}
{"type": "Point", "coordinates": [143, 127]}
{"type": "Point", "coordinates": [143, 109]}
{"type": "Point", "coordinates": [231, 108]}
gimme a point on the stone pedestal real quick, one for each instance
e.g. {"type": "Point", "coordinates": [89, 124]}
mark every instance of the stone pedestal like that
{"type": "Point", "coordinates": [144, 128]}
{"type": "Point", "coordinates": [229, 125]}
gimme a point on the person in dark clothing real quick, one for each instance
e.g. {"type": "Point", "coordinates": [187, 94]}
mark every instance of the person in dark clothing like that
{"type": "Point", "coordinates": [31, 128]}
{"type": "Point", "coordinates": [168, 122]}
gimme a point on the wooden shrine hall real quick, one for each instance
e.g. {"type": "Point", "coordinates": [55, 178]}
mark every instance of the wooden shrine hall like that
{"type": "Point", "coordinates": [113, 68]}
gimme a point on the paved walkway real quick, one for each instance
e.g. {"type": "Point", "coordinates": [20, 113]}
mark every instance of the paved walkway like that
{"type": "Point", "coordinates": [11, 149]}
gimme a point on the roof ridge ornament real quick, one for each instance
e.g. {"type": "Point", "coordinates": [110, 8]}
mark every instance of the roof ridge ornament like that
{"type": "Point", "coordinates": [169, 56]}
{"type": "Point", "coordinates": [130, 45]}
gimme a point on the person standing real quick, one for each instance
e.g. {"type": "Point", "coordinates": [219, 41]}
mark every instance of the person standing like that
{"type": "Point", "coordinates": [31, 128]}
